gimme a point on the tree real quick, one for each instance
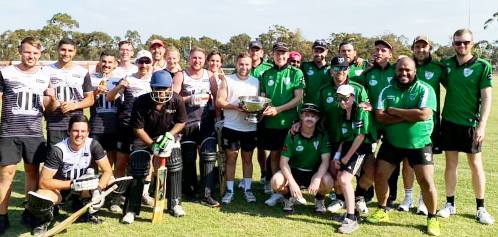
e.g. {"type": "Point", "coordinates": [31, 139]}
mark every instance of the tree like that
{"type": "Point", "coordinates": [235, 45]}
{"type": "Point", "coordinates": [58, 27]}
{"type": "Point", "coordinates": [134, 37]}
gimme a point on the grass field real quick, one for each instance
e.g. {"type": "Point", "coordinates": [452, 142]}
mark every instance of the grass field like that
{"type": "Point", "coordinates": [242, 219]}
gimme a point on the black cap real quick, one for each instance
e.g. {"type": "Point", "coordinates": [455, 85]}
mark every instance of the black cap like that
{"type": "Point", "coordinates": [339, 61]}
{"type": "Point", "coordinates": [310, 107]}
{"type": "Point", "coordinates": [255, 44]}
{"type": "Point", "coordinates": [385, 43]}
{"type": "Point", "coordinates": [280, 46]}
{"type": "Point", "coordinates": [320, 44]}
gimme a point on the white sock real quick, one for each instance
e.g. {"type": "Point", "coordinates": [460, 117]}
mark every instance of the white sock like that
{"type": "Point", "coordinates": [247, 183]}
{"type": "Point", "coordinates": [146, 189]}
{"type": "Point", "coordinates": [409, 193]}
{"type": "Point", "coordinates": [230, 186]}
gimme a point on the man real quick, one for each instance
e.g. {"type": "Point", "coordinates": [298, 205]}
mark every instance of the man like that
{"type": "Point", "coordinates": [304, 163]}
{"type": "Point", "coordinates": [196, 86]}
{"type": "Point", "coordinates": [237, 132]}
{"type": "Point", "coordinates": [159, 112]}
{"type": "Point", "coordinates": [283, 84]}
{"type": "Point", "coordinates": [21, 133]}
{"type": "Point", "coordinates": [295, 59]}
{"type": "Point", "coordinates": [73, 88]}
{"type": "Point", "coordinates": [405, 109]}
{"type": "Point", "coordinates": [430, 72]}
{"type": "Point", "coordinates": [314, 72]}
{"type": "Point", "coordinates": [125, 66]}
{"type": "Point", "coordinates": [465, 114]}
{"type": "Point", "coordinates": [356, 65]}
{"type": "Point", "coordinates": [65, 174]}
{"type": "Point", "coordinates": [158, 50]}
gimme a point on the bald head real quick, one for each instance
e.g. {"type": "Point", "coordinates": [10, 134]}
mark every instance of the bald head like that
{"type": "Point", "coordinates": [405, 70]}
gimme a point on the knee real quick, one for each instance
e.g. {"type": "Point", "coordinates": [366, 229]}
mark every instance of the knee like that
{"type": "Point", "coordinates": [7, 173]}
{"type": "Point", "coordinates": [342, 180]}
{"type": "Point", "coordinates": [327, 182]}
{"type": "Point", "coordinates": [277, 181]}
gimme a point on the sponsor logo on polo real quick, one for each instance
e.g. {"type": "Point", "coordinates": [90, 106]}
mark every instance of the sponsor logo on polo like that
{"type": "Point", "coordinates": [467, 72]}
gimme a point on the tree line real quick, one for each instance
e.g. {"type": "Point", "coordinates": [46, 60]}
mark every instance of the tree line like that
{"type": "Point", "coordinates": [91, 44]}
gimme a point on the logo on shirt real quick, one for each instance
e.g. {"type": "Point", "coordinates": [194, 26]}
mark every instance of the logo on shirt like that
{"type": "Point", "coordinates": [467, 72]}
{"type": "Point", "coordinates": [428, 75]}
{"type": "Point", "coordinates": [344, 130]}
{"type": "Point", "coordinates": [428, 156]}
{"type": "Point", "coordinates": [315, 143]}
{"type": "Point", "coordinates": [330, 99]}
{"type": "Point", "coordinates": [389, 79]}
{"type": "Point", "coordinates": [299, 148]}
{"type": "Point", "coordinates": [413, 96]}
{"type": "Point", "coordinates": [310, 72]}
{"type": "Point", "coordinates": [271, 83]}
{"type": "Point", "coordinates": [287, 80]}
{"type": "Point", "coordinates": [358, 72]}
{"type": "Point", "coordinates": [372, 82]}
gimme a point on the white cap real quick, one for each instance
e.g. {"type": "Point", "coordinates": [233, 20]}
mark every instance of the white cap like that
{"type": "Point", "coordinates": [143, 54]}
{"type": "Point", "coordinates": [345, 90]}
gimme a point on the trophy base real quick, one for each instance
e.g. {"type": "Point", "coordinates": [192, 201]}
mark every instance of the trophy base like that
{"type": "Point", "coordinates": [252, 118]}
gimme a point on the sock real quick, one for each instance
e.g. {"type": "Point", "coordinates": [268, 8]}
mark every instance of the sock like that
{"type": "Point", "coordinates": [319, 196]}
{"type": "Point", "coordinates": [247, 183]}
{"type": "Point", "coordinates": [340, 196]}
{"type": "Point", "coordinates": [359, 192]}
{"type": "Point", "coordinates": [479, 202]}
{"type": "Point", "coordinates": [384, 208]}
{"type": "Point", "coordinates": [451, 200]}
{"type": "Point", "coordinates": [351, 216]}
{"type": "Point", "coordinates": [146, 188]}
{"type": "Point", "coordinates": [230, 185]}
{"type": "Point", "coordinates": [408, 193]}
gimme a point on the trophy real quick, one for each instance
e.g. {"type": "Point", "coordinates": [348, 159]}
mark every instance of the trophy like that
{"type": "Point", "coordinates": [254, 105]}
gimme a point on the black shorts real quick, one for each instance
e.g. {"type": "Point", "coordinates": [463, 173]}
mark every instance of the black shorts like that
{"type": "Point", "coordinates": [355, 163]}
{"type": "Point", "coordinates": [272, 139]}
{"type": "Point", "coordinates": [197, 133]}
{"type": "Point", "coordinates": [33, 150]}
{"type": "Point", "coordinates": [302, 178]}
{"type": "Point", "coordinates": [395, 155]}
{"type": "Point", "coordinates": [55, 136]}
{"type": "Point", "coordinates": [107, 140]}
{"type": "Point", "coordinates": [235, 140]}
{"type": "Point", "coordinates": [457, 137]}
{"type": "Point", "coordinates": [124, 139]}
{"type": "Point", "coordinates": [436, 138]}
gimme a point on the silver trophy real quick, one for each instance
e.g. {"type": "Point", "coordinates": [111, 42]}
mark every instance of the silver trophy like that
{"type": "Point", "coordinates": [254, 105]}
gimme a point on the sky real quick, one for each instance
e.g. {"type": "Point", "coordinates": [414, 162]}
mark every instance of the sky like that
{"type": "Point", "coordinates": [221, 19]}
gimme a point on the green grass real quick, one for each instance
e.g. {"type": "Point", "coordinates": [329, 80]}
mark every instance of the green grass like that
{"type": "Point", "coordinates": [241, 219]}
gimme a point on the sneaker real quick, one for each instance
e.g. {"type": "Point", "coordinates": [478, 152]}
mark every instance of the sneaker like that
{"type": "Point", "coordinates": [422, 208]}
{"type": "Point", "coordinates": [249, 196]}
{"type": "Point", "coordinates": [433, 227]}
{"type": "Point", "coordinates": [484, 217]}
{"type": "Point", "coordinates": [390, 205]}
{"type": "Point", "coordinates": [115, 208]}
{"type": "Point", "coordinates": [361, 205]}
{"type": "Point", "coordinates": [289, 205]}
{"type": "Point", "coordinates": [406, 204]}
{"type": "Point", "coordinates": [128, 218]}
{"type": "Point", "coordinates": [332, 196]}
{"type": "Point", "coordinates": [348, 226]}
{"type": "Point", "coordinates": [379, 216]}
{"type": "Point", "coordinates": [336, 205]}
{"type": "Point", "coordinates": [147, 200]}
{"type": "Point", "coordinates": [40, 229]}
{"type": "Point", "coordinates": [178, 211]}
{"type": "Point", "coordinates": [320, 206]}
{"type": "Point", "coordinates": [274, 199]}
{"type": "Point", "coordinates": [210, 201]}
{"type": "Point", "coordinates": [228, 197]}
{"type": "Point", "coordinates": [4, 224]}
{"type": "Point", "coordinates": [267, 188]}
{"type": "Point", "coordinates": [447, 211]}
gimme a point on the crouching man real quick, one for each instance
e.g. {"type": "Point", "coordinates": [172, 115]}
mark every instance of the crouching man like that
{"type": "Point", "coordinates": [304, 163]}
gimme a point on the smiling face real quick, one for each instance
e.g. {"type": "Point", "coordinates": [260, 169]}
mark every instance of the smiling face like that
{"type": "Point", "coordinates": [463, 44]}
{"type": "Point", "coordinates": [319, 54]}
{"type": "Point", "coordinates": [214, 63]}
{"type": "Point", "coordinates": [78, 134]}
{"type": "Point", "coordinates": [157, 51]}
{"type": "Point", "coordinates": [66, 53]}
{"type": "Point", "coordinates": [382, 54]}
{"type": "Point", "coordinates": [244, 66]}
{"type": "Point", "coordinates": [421, 50]}
{"type": "Point", "coordinates": [196, 60]}
{"type": "Point", "coordinates": [256, 53]}
{"type": "Point", "coordinates": [340, 74]}
{"type": "Point", "coordinates": [172, 58]}
{"type": "Point", "coordinates": [29, 55]}
{"type": "Point", "coordinates": [405, 70]}
{"type": "Point", "coordinates": [280, 57]}
{"type": "Point", "coordinates": [107, 64]}
{"type": "Point", "coordinates": [126, 52]}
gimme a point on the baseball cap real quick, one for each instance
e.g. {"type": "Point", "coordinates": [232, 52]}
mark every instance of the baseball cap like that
{"type": "Point", "coordinates": [143, 54]}
{"type": "Point", "coordinates": [156, 41]}
{"type": "Point", "coordinates": [385, 43]}
{"type": "Point", "coordinates": [345, 90]}
{"type": "Point", "coordinates": [255, 44]}
{"type": "Point", "coordinates": [320, 44]}
{"type": "Point", "coordinates": [422, 38]}
{"type": "Point", "coordinates": [339, 61]}
{"type": "Point", "coordinates": [280, 46]}
{"type": "Point", "coordinates": [310, 107]}
{"type": "Point", "coordinates": [295, 55]}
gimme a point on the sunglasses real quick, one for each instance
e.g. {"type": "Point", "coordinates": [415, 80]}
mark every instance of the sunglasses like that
{"type": "Point", "coordinates": [343, 98]}
{"type": "Point", "coordinates": [459, 43]}
{"type": "Point", "coordinates": [295, 61]}
{"type": "Point", "coordinates": [341, 68]}
{"type": "Point", "coordinates": [144, 61]}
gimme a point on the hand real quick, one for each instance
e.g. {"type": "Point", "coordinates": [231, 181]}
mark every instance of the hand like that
{"type": "Point", "coordinates": [50, 92]}
{"type": "Point", "coordinates": [359, 61]}
{"type": "Point", "coordinates": [67, 107]}
{"type": "Point", "coordinates": [85, 183]}
{"type": "Point", "coordinates": [163, 145]}
{"type": "Point", "coordinates": [101, 89]}
{"type": "Point", "coordinates": [479, 134]}
{"type": "Point", "coordinates": [366, 106]}
{"type": "Point", "coordinates": [123, 83]}
{"type": "Point", "coordinates": [295, 191]}
{"type": "Point", "coordinates": [337, 164]}
{"type": "Point", "coordinates": [314, 185]}
{"type": "Point", "coordinates": [98, 201]}
{"type": "Point", "coordinates": [295, 128]}
{"type": "Point", "coordinates": [270, 111]}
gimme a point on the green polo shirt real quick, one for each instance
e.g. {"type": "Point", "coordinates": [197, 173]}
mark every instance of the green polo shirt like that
{"type": "Point", "coordinates": [408, 135]}
{"type": "Point", "coordinates": [279, 85]}
{"type": "Point", "coordinates": [355, 71]}
{"type": "Point", "coordinates": [305, 153]}
{"type": "Point", "coordinates": [258, 71]}
{"type": "Point", "coordinates": [314, 78]}
{"type": "Point", "coordinates": [359, 123]}
{"type": "Point", "coordinates": [463, 90]}
{"type": "Point", "coordinates": [375, 78]}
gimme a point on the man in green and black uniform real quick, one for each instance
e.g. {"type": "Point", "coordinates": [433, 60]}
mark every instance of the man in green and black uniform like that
{"type": "Point", "coordinates": [304, 163]}
{"type": "Point", "coordinates": [356, 65]}
{"type": "Point", "coordinates": [315, 71]}
{"type": "Point", "coordinates": [283, 84]}
{"type": "Point", "coordinates": [405, 109]}
{"type": "Point", "coordinates": [465, 114]}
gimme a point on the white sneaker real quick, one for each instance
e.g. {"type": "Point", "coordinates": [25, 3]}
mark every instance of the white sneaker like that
{"type": "Point", "coordinates": [115, 208]}
{"type": "Point", "coordinates": [422, 208]}
{"type": "Point", "coordinates": [361, 205]}
{"type": "Point", "coordinates": [178, 211]}
{"type": "Point", "coordinates": [289, 204]}
{"type": "Point", "coordinates": [228, 197]}
{"type": "Point", "coordinates": [484, 217]}
{"type": "Point", "coordinates": [129, 218]}
{"type": "Point", "coordinates": [406, 204]}
{"type": "Point", "coordinates": [320, 206]}
{"type": "Point", "coordinates": [447, 211]}
{"type": "Point", "coordinates": [267, 188]}
{"type": "Point", "coordinates": [274, 199]}
{"type": "Point", "coordinates": [336, 205]}
{"type": "Point", "coordinates": [249, 196]}
{"type": "Point", "coordinates": [147, 200]}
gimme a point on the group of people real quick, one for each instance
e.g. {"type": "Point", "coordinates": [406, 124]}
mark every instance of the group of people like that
{"type": "Point", "coordinates": [319, 132]}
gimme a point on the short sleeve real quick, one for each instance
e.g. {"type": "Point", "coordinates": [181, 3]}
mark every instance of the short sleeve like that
{"type": "Point", "coordinates": [298, 79]}
{"type": "Point", "coordinates": [288, 148]}
{"type": "Point", "coordinates": [87, 83]}
{"type": "Point", "coordinates": [54, 158]}
{"type": "Point", "coordinates": [428, 98]}
{"type": "Point", "coordinates": [486, 77]}
{"type": "Point", "coordinates": [97, 150]}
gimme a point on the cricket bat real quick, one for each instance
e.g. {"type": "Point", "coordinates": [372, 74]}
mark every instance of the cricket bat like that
{"type": "Point", "coordinates": [160, 194]}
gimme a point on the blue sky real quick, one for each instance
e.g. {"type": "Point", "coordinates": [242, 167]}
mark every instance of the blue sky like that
{"type": "Point", "coordinates": [221, 19]}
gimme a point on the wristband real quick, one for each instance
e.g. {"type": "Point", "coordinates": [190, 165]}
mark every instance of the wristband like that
{"type": "Point", "coordinates": [337, 155]}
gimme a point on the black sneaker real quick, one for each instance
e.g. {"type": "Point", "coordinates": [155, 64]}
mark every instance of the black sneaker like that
{"type": "Point", "coordinates": [4, 223]}
{"type": "Point", "coordinates": [390, 205]}
{"type": "Point", "coordinates": [90, 218]}
{"type": "Point", "coordinates": [27, 219]}
{"type": "Point", "coordinates": [210, 201]}
{"type": "Point", "coordinates": [40, 229]}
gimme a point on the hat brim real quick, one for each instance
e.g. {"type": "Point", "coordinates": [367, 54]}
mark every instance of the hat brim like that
{"type": "Point", "coordinates": [385, 43]}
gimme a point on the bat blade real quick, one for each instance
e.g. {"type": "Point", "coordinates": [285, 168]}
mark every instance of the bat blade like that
{"type": "Point", "coordinates": [160, 197]}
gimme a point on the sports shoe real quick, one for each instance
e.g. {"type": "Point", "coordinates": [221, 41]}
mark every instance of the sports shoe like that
{"type": "Point", "coordinates": [379, 216]}
{"type": "Point", "coordinates": [332, 196]}
{"type": "Point", "coordinates": [228, 197]}
{"type": "Point", "coordinates": [267, 188]}
{"type": "Point", "coordinates": [336, 205]}
{"type": "Point", "coordinates": [484, 217]}
{"type": "Point", "coordinates": [178, 211]}
{"type": "Point", "coordinates": [320, 206]}
{"type": "Point", "coordinates": [4, 224]}
{"type": "Point", "coordinates": [147, 200]}
{"type": "Point", "coordinates": [406, 204]}
{"type": "Point", "coordinates": [422, 208]}
{"type": "Point", "coordinates": [210, 201]}
{"type": "Point", "coordinates": [289, 205]}
{"type": "Point", "coordinates": [447, 211]}
{"type": "Point", "coordinates": [274, 199]}
{"type": "Point", "coordinates": [348, 226]}
{"type": "Point", "coordinates": [128, 218]}
{"type": "Point", "coordinates": [115, 208]}
{"type": "Point", "coordinates": [249, 196]}
{"type": "Point", "coordinates": [433, 227]}
{"type": "Point", "coordinates": [40, 229]}
{"type": "Point", "coordinates": [361, 205]}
